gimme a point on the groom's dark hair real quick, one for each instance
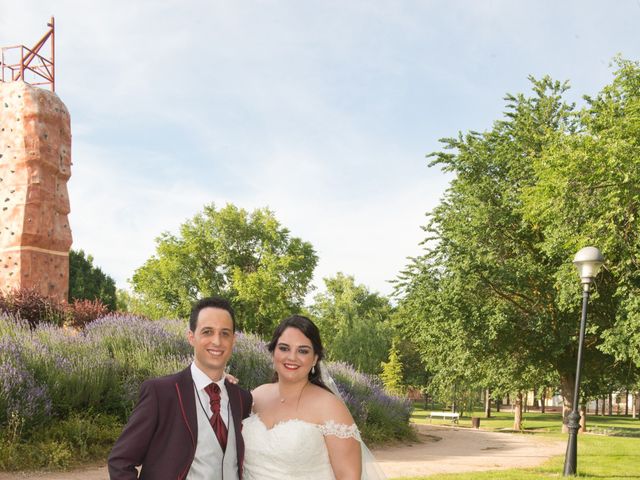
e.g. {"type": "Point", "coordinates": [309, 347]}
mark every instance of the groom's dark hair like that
{"type": "Point", "coordinates": [210, 302]}
{"type": "Point", "coordinates": [309, 330]}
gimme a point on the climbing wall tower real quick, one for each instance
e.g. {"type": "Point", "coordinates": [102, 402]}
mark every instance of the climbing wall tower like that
{"type": "Point", "coordinates": [35, 165]}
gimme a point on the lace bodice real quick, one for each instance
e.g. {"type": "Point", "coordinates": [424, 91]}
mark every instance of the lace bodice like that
{"type": "Point", "coordinates": [340, 430]}
{"type": "Point", "coordinates": [292, 449]}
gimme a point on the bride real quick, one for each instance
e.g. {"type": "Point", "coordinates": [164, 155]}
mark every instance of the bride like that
{"type": "Point", "coordinates": [300, 428]}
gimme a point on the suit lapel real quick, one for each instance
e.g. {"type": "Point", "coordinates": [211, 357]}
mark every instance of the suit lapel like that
{"type": "Point", "coordinates": [187, 399]}
{"type": "Point", "coordinates": [235, 400]}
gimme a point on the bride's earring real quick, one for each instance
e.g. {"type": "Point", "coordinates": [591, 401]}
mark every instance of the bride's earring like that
{"type": "Point", "coordinates": [313, 370]}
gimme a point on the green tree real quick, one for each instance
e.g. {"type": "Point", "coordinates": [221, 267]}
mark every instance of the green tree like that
{"type": "Point", "coordinates": [495, 296]}
{"type": "Point", "coordinates": [247, 257]}
{"type": "Point", "coordinates": [588, 192]}
{"type": "Point", "coordinates": [89, 282]}
{"type": "Point", "coordinates": [392, 375]}
{"type": "Point", "coordinates": [355, 323]}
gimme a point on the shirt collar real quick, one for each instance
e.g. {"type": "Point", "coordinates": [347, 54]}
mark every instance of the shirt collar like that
{"type": "Point", "coordinates": [201, 379]}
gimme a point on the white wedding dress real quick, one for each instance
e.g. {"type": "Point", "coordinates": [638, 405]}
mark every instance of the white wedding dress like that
{"type": "Point", "coordinates": [292, 449]}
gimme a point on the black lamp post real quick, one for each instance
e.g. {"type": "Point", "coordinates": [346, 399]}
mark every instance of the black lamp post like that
{"type": "Point", "coordinates": [588, 262]}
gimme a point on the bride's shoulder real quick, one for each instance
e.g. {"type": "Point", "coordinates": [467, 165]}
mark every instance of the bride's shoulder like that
{"type": "Point", "coordinates": [263, 389]}
{"type": "Point", "coordinates": [328, 407]}
{"type": "Point", "coordinates": [262, 393]}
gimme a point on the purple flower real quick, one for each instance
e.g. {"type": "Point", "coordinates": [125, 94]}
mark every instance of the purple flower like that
{"type": "Point", "coordinates": [20, 394]}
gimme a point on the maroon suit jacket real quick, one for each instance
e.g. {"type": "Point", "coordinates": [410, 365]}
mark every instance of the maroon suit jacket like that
{"type": "Point", "coordinates": [162, 432]}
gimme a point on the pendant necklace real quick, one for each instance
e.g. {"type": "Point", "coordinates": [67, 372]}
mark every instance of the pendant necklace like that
{"type": "Point", "coordinates": [283, 399]}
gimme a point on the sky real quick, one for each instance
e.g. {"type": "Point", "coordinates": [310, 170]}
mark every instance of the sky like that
{"type": "Point", "coordinates": [322, 111]}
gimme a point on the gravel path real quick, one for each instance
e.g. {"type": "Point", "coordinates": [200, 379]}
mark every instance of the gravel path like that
{"type": "Point", "coordinates": [439, 450]}
{"type": "Point", "coordinates": [455, 450]}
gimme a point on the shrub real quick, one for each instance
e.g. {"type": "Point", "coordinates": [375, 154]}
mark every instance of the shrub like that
{"type": "Point", "coordinates": [87, 381]}
{"type": "Point", "coordinates": [251, 361]}
{"type": "Point", "coordinates": [33, 308]}
{"type": "Point", "coordinates": [379, 416]}
{"type": "Point", "coordinates": [89, 436]}
{"type": "Point", "coordinates": [36, 309]}
{"type": "Point", "coordinates": [82, 312]}
{"type": "Point", "coordinates": [79, 373]}
{"type": "Point", "coordinates": [23, 401]}
{"type": "Point", "coordinates": [78, 439]}
{"type": "Point", "coordinates": [141, 349]}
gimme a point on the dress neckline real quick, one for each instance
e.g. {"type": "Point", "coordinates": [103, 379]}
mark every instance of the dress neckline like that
{"type": "Point", "coordinates": [283, 422]}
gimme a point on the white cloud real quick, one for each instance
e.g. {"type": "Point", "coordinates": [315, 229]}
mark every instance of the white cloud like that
{"type": "Point", "coordinates": [116, 217]}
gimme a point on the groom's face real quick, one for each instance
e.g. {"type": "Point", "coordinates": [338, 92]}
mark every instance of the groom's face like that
{"type": "Point", "coordinates": [212, 341]}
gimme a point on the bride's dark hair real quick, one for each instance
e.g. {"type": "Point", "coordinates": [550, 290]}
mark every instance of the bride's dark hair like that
{"type": "Point", "coordinates": [309, 330]}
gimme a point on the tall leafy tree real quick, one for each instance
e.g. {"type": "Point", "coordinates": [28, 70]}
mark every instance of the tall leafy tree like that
{"type": "Point", "coordinates": [355, 323]}
{"type": "Point", "coordinates": [246, 256]}
{"type": "Point", "coordinates": [588, 192]}
{"type": "Point", "coordinates": [88, 282]}
{"type": "Point", "coordinates": [495, 296]}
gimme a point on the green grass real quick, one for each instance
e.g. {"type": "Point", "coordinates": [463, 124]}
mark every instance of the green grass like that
{"type": "Point", "coordinates": [610, 456]}
{"type": "Point", "coordinates": [616, 425]}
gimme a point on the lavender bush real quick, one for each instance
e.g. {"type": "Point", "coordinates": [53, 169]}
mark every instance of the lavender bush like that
{"type": "Point", "coordinates": [57, 373]}
{"type": "Point", "coordinates": [251, 361]}
{"type": "Point", "coordinates": [79, 374]}
{"type": "Point", "coordinates": [379, 416]}
{"type": "Point", "coordinates": [22, 399]}
{"type": "Point", "coordinates": [141, 349]}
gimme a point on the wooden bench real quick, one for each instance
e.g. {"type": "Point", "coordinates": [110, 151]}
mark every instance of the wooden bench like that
{"type": "Point", "coordinates": [445, 415]}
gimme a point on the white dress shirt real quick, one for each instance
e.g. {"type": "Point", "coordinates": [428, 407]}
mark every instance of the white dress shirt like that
{"type": "Point", "coordinates": [201, 380]}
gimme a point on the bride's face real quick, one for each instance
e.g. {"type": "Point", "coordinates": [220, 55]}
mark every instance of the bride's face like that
{"type": "Point", "coordinates": [293, 356]}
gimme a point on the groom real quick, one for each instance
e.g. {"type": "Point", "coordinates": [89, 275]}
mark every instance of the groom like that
{"type": "Point", "coordinates": [187, 426]}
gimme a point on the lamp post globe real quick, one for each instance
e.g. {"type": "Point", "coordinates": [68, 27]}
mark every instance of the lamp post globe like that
{"type": "Point", "coordinates": [588, 261]}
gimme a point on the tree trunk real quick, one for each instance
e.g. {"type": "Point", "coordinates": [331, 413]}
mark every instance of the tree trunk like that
{"type": "Point", "coordinates": [487, 403]}
{"type": "Point", "coordinates": [610, 403]}
{"type": "Point", "coordinates": [583, 418]}
{"type": "Point", "coordinates": [636, 404]}
{"type": "Point", "coordinates": [596, 412]}
{"type": "Point", "coordinates": [566, 385]}
{"type": "Point", "coordinates": [543, 399]}
{"type": "Point", "coordinates": [517, 418]}
{"type": "Point", "coordinates": [604, 406]}
{"type": "Point", "coordinates": [626, 402]}
{"type": "Point", "coordinates": [535, 398]}
{"type": "Point", "coordinates": [498, 402]}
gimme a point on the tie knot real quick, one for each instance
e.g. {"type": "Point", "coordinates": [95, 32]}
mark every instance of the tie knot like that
{"type": "Point", "coordinates": [212, 390]}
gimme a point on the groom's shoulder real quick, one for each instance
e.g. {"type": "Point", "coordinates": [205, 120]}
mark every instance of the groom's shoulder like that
{"type": "Point", "coordinates": [168, 380]}
{"type": "Point", "coordinates": [235, 387]}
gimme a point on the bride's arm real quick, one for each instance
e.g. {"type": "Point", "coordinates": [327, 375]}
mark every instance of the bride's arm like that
{"type": "Point", "coordinates": [343, 442]}
{"type": "Point", "coordinates": [345, 456]}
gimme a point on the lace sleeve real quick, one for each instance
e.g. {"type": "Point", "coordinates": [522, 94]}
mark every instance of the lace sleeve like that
{"type": "Point", "coordinates": [340, 430]}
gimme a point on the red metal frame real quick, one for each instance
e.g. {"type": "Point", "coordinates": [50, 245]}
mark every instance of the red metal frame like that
{"type": "Point", "coordinates": [20, 63]}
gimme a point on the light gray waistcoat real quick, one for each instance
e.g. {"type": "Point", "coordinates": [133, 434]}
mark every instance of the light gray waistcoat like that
{"type": "Point", "coordinates": [210, 462]}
